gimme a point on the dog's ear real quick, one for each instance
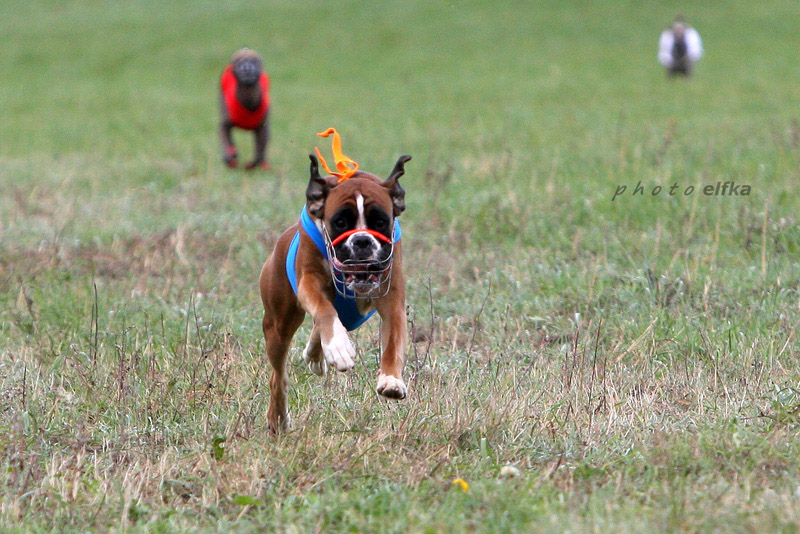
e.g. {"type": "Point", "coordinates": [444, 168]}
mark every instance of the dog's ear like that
{"type": "Point", "coordinates": [397, 193]}
{"type": "Point", "coordinates": [317, 190]}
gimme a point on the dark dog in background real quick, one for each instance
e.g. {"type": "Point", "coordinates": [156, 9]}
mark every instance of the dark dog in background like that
{"type": "Point", "coordinates": [244, 103]}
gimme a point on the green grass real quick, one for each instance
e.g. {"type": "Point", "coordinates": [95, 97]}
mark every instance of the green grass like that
{"type": "Point", "coordinates": [636, 360]}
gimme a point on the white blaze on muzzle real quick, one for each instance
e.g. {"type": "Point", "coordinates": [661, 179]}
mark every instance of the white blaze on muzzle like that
{"type": "Point", "coordinates": [356, 248]}
{"type": "Point", "coordinates": [361, 224]}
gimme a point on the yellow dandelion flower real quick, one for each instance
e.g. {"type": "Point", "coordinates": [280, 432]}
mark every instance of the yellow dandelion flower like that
{"type": "Point", "coordinates": [461, 483]}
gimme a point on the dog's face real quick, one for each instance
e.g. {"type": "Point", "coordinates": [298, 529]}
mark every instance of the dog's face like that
{"type": "Point", "coordinates": [358, 215]}
{"type": "Point", "coordinates": [247, 70]}
{"type": "Point", "coordinates": [678, 29]}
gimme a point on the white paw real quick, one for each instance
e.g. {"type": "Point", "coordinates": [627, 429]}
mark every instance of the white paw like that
{"type": "Point", "coordinates": [316, 365]}
{"type": "Point", "coordinates": [283, 424]}
{"type": "Point", "coordinates": [391, 387]}
{"type": "Point", "coordinates": [339, 353]}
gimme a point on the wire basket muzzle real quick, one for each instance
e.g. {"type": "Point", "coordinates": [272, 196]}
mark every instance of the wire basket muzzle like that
{"type": "Point", "coordinates": [375, 275]}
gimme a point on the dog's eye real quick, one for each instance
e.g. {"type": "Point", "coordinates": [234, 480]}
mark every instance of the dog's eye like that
{"type": "Point", "coordinates": [340, 223]}
{"type": "Point", "coordinates": [378, 221]}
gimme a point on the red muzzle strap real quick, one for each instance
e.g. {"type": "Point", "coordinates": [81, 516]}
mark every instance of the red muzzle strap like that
{"type": "Point", "coordinates": [348, 233]}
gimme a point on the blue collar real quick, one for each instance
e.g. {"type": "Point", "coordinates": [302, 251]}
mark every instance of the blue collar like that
{"type": "Point", "coordinates": [313, 232]}
{"type": "Point", "coordinates": [345, 306]}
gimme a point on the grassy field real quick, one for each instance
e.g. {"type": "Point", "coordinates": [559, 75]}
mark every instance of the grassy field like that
{"type": "Point", "coordinates": [635, 360]}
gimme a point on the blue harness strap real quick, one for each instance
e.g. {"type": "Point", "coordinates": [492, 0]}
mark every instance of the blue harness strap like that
{"type": "Point", "coordinates": [345, 307]}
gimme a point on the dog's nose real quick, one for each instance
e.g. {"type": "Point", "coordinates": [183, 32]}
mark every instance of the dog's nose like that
{"type": "Point", "coordinates": [361, 242]}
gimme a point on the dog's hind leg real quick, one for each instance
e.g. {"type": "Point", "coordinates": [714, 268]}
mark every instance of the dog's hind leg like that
{"type": "Point", "coordinates": [312, 354]}
{"type": "Point", "coordinates": [278, 336]}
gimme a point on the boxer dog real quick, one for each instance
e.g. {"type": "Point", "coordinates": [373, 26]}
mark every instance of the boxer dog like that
{"type": "Point", "coordinates": [244, 103]}
{"type": "Point", "coordinates": [340, 263]}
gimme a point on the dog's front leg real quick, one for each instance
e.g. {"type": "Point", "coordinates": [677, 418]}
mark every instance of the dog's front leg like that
{"type": "Point", "coordinates": [229, 153]}
{"type": "Point", "coordinates": [336, 345]}
{"type": "Point", "coordinates": [261, 136]}
{"type": "Point", "coordinates": [393, 340]}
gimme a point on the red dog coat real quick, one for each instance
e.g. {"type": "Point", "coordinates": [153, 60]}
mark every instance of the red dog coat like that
{"type": "Point", "coordinates": [240, 115]}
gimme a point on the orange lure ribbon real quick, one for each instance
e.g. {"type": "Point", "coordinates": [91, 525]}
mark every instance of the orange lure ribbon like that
{"type": "Point", "coordinates": [344, 170]}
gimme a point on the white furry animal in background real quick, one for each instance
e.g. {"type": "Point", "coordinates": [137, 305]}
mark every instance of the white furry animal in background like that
{"type": "Point", "coordinates": [679, 48]}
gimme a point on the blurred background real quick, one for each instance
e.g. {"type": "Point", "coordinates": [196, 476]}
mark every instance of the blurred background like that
{"type": "Point", "coordinates": [129, 258]}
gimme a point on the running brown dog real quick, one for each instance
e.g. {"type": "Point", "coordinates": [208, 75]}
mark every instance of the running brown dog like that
{"type": "Point", "coordinates": [340, 263]}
